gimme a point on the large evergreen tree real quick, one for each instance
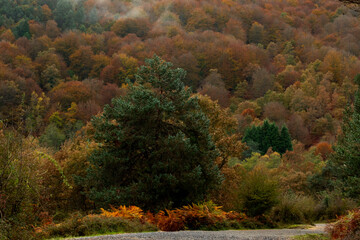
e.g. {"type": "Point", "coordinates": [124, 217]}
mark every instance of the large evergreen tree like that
{"type": "Point", "coordinates": [343, 168]}
{"type": "Point", "coordinates": [155, 150]}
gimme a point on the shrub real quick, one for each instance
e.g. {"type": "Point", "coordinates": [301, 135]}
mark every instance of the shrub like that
{"type": "Point", "coordinates": [131, 212]}
{"type": "Point", "coordinates": [346, 227]}
{"type": "Point", "coordinates": [206, 216]}
{"type": "Point", "coordinates": [294, 209]}
{"type": "Point", "coordinates": [78, 225]}
{"type": "Point", "coordinates": [258, 192]}
{"type": "Point", "coordinates": [334, 204]}
{"type": "Point", "coordinates": [170, 221]}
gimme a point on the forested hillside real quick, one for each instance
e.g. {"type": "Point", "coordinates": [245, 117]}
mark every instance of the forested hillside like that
{"type": "Point", "coordinates": [268, 90]}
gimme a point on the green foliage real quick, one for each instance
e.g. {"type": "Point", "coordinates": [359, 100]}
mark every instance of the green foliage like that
{"type": "Point", "coordinates": [50, 78]}
{"type": "Point", "coordinates": [341, 171]}
{"type": "Point", "coordinates": [285, 140]}
{"type": "Point", "coordinates": [267, 135]}
{"type": "Point", "coordinates": [155, 150]}
{"type": "Point", "coordinates": [269, 161]}
{"type": "Point", "coordinates": [69, 14]}
{"type": "Point", "coordinates": [53, 136]}
{"type": "Point", "coordinates": [62, 126]}
{"type": "Point", "coordinates": [311, 237]}
{"type": "Point", "coordinates": [19, 186]}
{"type": "Point", "coordinates": [257, 192]}
{"type": "Point", "coordinates": [16, 12]}
{"type": "Point", "coordinates": [333, 204]}
{"type": "Point", "coordinates": [22, 29]}
{"type": "Point", "coordinates": [294, 209]}
{"type": "Point", "coordinates": [58, 167]}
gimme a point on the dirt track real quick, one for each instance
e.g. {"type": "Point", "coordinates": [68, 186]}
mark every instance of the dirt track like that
{"type": "Point", "coordinates": [271, 234]}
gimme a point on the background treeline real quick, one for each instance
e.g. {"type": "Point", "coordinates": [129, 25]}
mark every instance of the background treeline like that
{"type": "Point", "coordinates": [291, 62]}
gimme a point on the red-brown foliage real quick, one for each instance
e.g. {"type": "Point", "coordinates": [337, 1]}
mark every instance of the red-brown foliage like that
{"type": "Point", "coordinates": [346, 227]}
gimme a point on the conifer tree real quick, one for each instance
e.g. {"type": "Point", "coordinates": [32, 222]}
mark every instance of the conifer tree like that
{"type": "Point", "coordinates": [155, 150]}
{"type": "Point", "coordinates": [285, 140]}
{"type": "Point", "coordinates": [343, 166]}
{"type": "Point", "coordinates": [267, 135]}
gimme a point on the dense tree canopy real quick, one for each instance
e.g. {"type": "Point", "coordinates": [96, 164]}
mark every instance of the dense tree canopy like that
{"type": "Point", "coordinates": [292, 62]}
{"type": "Point", "coordinates": [342, 168]}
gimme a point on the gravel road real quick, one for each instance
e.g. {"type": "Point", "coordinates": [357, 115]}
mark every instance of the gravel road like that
{"type": "Point", "coordinates": [270, 234]}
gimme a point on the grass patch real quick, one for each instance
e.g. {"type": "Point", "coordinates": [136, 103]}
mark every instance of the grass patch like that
{"type": "Point", "coordinates": [312, 237]}
{"type": "Point", "coordinates": [299, 226]}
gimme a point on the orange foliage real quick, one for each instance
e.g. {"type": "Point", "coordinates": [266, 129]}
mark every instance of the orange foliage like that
{"type": "Point", "coordinates": [130, 212]}
{"type": "Point", "coordinates": [170, 221]}
{"type": "Point", "coordinates": [323, 149]}
{"type": "Point", "coordinates": [193, 216]}
{"type": "Point", "coordinates": [248, 112]}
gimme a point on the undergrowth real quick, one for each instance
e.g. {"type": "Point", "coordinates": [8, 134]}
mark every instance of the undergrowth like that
{"type": "Point", "coordinates": [347, 227]}
{"type": "Point", "coordinates": [78, 225]}
{"type": "Point", "coordinates": [206, 216]}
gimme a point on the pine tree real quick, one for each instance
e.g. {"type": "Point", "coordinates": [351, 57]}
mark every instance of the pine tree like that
{"type": "Point", "coordinates": [263, 137]}
{"type": "Point", "coordinates": [344, 165]}
{"type": "Point", "coordinates": [155, 150]}
{"type": "Point", "coordinates": [285, 140]}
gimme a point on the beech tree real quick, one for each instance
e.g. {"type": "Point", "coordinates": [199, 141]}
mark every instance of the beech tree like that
{"type": "Point", "coordinates": [155, 150]}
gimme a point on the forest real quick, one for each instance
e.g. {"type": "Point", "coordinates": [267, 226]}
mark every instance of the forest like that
{"type": "Point", "coordinates": [136, 114]}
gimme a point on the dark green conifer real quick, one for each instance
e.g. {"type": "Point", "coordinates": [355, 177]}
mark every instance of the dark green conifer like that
{"type": "Point", "coordinates": [344, 165]}
{"type": "Point", "coordinates": [155, 150]}
{"type": "Point", "coordinates": [266, 136]}
{"type": "Point", "coordinates": [285, 140]}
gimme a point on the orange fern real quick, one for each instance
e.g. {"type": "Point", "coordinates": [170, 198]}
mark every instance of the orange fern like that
{"type": "Point", "coordinates": [131, 212]}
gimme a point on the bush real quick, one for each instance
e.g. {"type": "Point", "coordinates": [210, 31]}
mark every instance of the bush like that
{"type": "Point", "coordinates": [258, 192]}
{"type": "Point", "coordinates": [334, 204]}
{"type": "Point", "coordinates": [12, 230]}
{"type": "Point", "coordinates": [346, 227]}
{"type": "Point", "coordinates": [19, 185]}
{"type": "Point", "coordinates": [78, 225]}
{"type": "Point", "coordinates": [206, 216]}
{"type": "Point", "coordinates": [294, 209]}
{"type": "Point", "coordinates": [131, 212]}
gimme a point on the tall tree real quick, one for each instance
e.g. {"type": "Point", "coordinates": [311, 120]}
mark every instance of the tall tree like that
{"type": "Point", "coordinates": [343, 166]}
{"type": "Point", "coordinates": [285, 140]}
{"type": "Point", "coordinates": [155, 150]}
